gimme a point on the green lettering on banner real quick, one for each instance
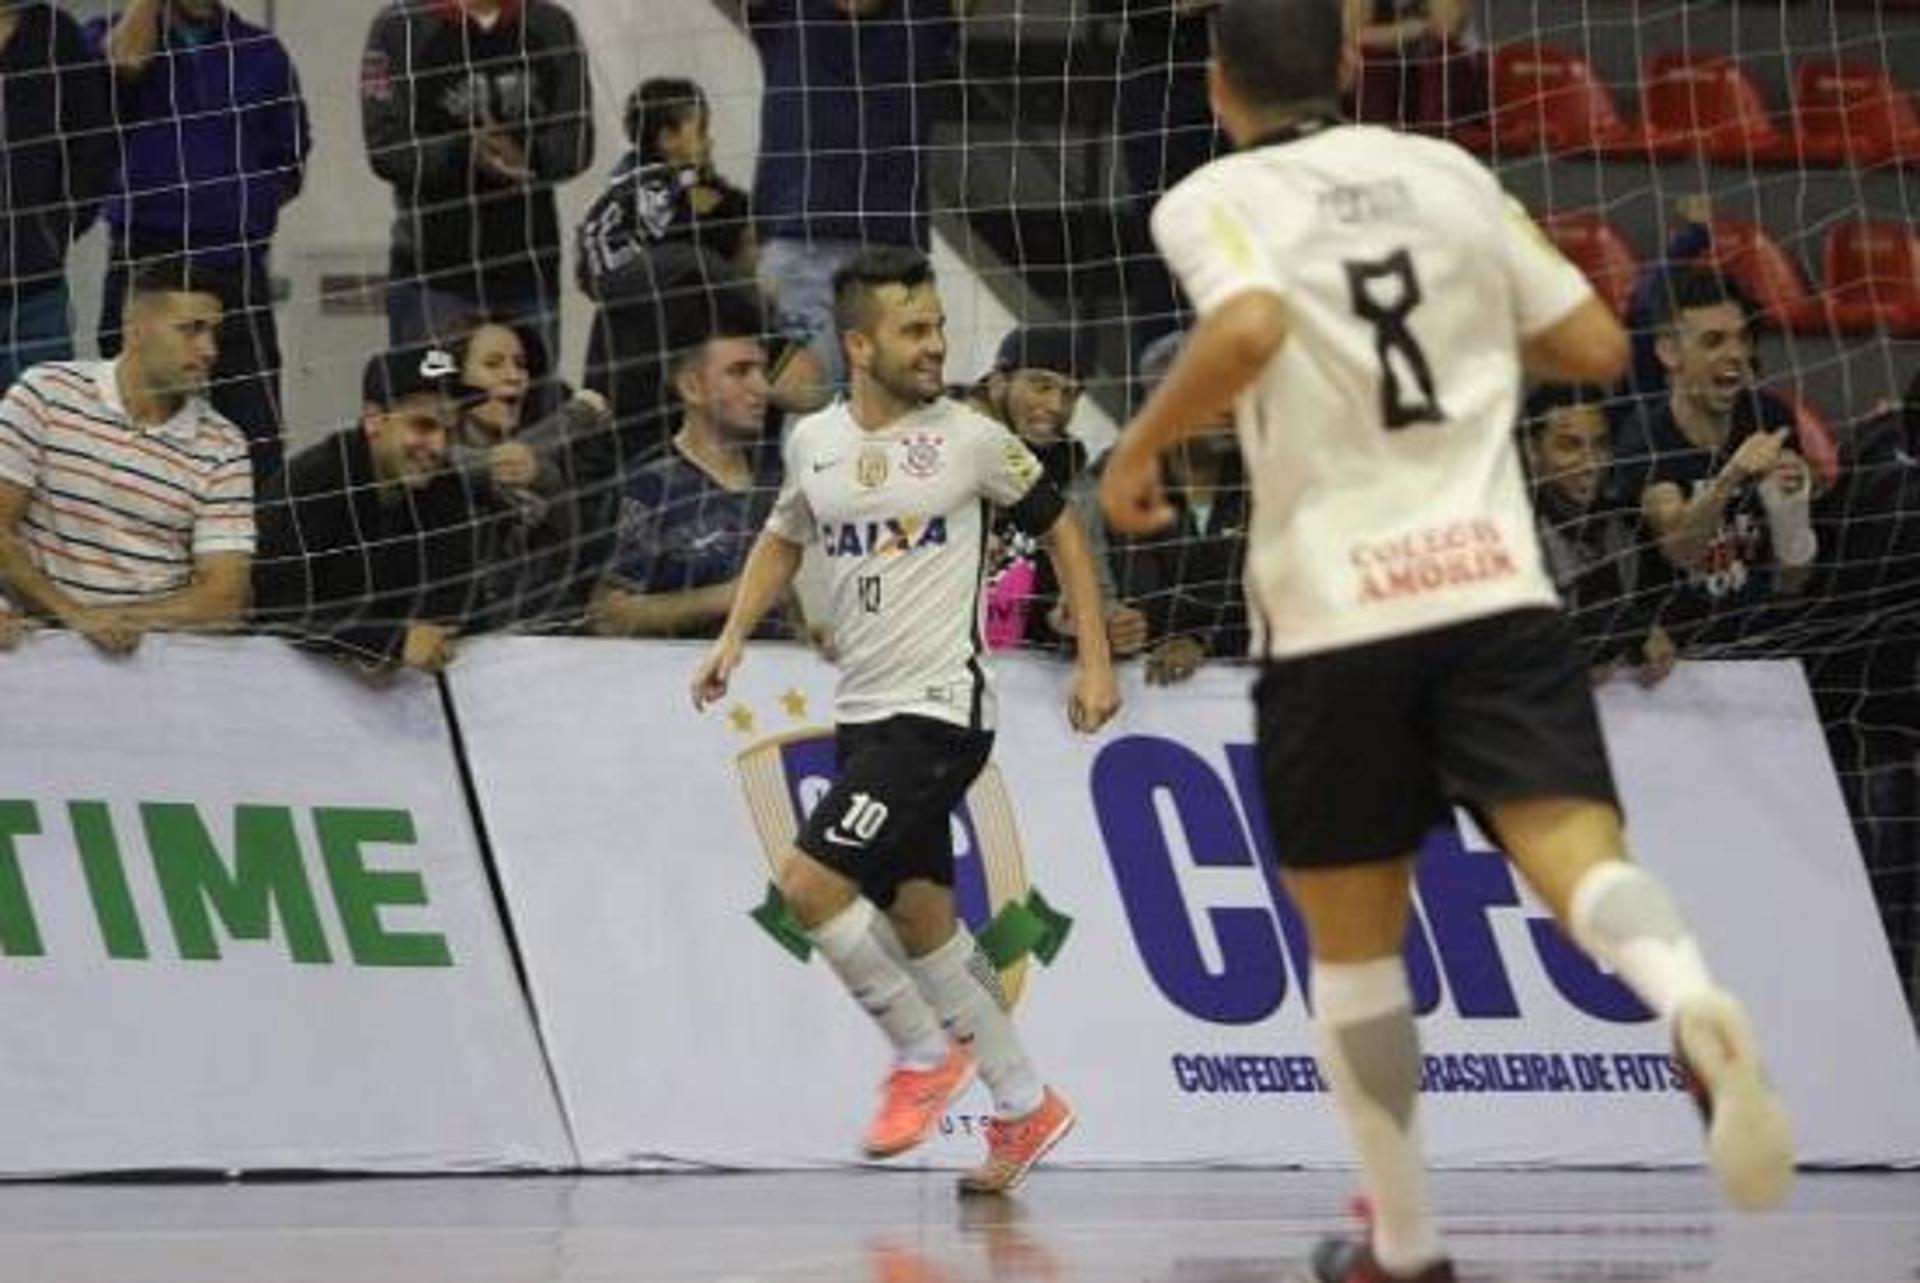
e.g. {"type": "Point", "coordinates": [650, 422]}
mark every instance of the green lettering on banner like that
{"type": "Point", "coordinates": [19, 933]}
{"type": "Point", "coordinates": [267, 877]}
{"type": "Point", "coordinates": [360, 892]}
{"type": "Point", "coordinates": [106, 875]}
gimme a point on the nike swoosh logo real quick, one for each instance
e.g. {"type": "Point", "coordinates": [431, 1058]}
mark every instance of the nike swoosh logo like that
{"type": "Point", "coordinates": [822, 467]}
{"type": "Point", "coordinates": [836, 838]}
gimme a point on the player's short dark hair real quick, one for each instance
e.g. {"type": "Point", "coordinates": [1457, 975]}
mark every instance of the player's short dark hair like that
{"type": "Point", "coordinates": [862, 275]}
{"type": "Point", "coordinates": [178, 274]}
{"type": "Point", "coordinates": [1695, 288]}
{"type": "Point", "coordinates": [1549, 397]}
{"type": "Point", "coordinates": [660, 103]}
{"type": "Point", "coordinates": [1278, 52]}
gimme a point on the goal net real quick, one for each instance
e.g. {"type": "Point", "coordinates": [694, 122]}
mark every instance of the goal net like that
{"type": "Point", "coordinates": [1692, 159]}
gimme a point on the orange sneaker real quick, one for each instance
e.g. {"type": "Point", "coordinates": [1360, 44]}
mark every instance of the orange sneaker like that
{"type": "Point", "coordinates": [911, 1103]}
{"type": "Point", "coordinates": [1014, 1145]}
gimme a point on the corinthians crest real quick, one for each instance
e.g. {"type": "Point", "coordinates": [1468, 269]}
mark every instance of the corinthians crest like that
{"type": "Point", "coordinates": [784, 774]}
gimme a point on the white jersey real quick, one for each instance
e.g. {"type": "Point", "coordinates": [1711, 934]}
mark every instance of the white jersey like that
{"type": "Point", "coordinates": [1387, 486]}
{"type": "Point", "coordinates": [901, 517]}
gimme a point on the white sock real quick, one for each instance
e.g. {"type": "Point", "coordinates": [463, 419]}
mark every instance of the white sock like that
{"type": "Point", "coordinates": [1624, 918]}
{"type": "Point", "coordinates": [852, 943]}
{"type": "Point", "coordinates": [962, 986]}
{"type": "Point", "coordinates": [1370, 1049]}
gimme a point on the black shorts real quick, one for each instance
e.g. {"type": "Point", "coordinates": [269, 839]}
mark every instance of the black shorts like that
{"type": "Point", "coordinates": [887, 819]}
{"type": "Point", "coordinates": [1364, 749]}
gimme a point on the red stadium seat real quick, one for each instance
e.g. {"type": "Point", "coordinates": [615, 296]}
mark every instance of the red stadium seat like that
{"type": "Point", "coordinates": [1851, 111]}
{"type": "Point", "coordinates": [1705, 104]}
{"type": "Point", "coordinates": [1544, 96]}
{"type": "Point", "coordinates": [1775, 283]}
{"type": "Point", "coordinates": [1873, 277]}
{"type": "Point", "coordinates": [1813, 436]}
{"type": "Point", "coordinates": [1597, 248]}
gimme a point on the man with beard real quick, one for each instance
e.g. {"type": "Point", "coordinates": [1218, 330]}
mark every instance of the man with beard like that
{"type": "Point", "coordinates": [1033, 389]}
{"type": "Point", "coordinates": [1722, 490]}
{"type": "Point", "coordinates": [893, 484]}
{"type": "Point", "coordinates": [368, 541]}
{"type": "Point", "coordinates": [126, 500]}
{"type": "Point", "coordinates": [1591, 537]}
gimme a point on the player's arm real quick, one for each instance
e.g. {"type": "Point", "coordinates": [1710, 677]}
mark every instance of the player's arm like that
{"type": "Point", "coordinates": [763, 584]}
{"type": "Point", "coordinates": [1095, 696]}
{"type": "Point", "coordinates": [1220, 359]}
{"type": "Point", "coordinates": [1585, 346]}
{"type": "Point", "coordinates": [1567, 334]}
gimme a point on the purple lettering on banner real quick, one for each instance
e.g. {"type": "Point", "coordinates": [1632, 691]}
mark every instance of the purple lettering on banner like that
{"type": "Point", "coordinates": [1451, 933]}
{"type": "Point", "coordinates": [1128, 776]}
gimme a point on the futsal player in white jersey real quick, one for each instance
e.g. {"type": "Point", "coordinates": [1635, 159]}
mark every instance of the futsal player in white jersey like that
{"type": "Point", "coordinates": [1369, 303]}
{"type": "Point", "coordinates": [895, 485]}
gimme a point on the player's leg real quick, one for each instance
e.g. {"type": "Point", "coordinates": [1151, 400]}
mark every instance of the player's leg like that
{"type": "Point", "coordinates": [1521, 740]}
{"type": "Point", "coordinates": [842, 844]}
{"type": "Point", "coordinates": [1350, 792]}
{"type": "Point", "coordinates": [1572, 852]}
{"type": "Point", "coordinates": [1369, 1046]}
{"type": "Point", "coordinates": [956, 977]}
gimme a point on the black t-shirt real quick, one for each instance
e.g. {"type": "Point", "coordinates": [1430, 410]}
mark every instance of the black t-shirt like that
{"type": "Point", "coordinates": [1718, 600]}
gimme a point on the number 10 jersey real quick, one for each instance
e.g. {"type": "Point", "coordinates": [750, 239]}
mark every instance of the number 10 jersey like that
{"type": "Point", "coordinates": [1380, 442]}
{"type": "Point", "coordinates": [900, 516]}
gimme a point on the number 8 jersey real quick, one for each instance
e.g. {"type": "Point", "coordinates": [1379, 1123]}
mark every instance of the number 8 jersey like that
{"type": "Point", "coordinates": [1387, 485]}
{"type": "Point", "coordinates": [900, 515]}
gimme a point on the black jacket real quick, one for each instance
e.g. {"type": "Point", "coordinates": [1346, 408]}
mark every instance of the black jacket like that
{"type": "Point", "coordinates": [345, 568]}
{"type": "Point", "coordinates": [429, 78]}
{"type": "Point", "coordinates": [58, 154]}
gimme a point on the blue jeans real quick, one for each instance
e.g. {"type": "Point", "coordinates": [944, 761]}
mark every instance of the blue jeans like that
{"type": "Point", "coordinates": [799, 275]}
{"type": "Point", "coordinates": [35, 325]}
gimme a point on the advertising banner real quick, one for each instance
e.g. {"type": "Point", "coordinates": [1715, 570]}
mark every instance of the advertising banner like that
{"type": "Point", "coordinates": [1159, 975]}
{"type": "Point", "coordinates": [244, 923]}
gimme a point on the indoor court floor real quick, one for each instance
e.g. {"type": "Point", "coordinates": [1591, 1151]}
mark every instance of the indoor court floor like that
{"type": "Point", "coordinates": [908, 1227]}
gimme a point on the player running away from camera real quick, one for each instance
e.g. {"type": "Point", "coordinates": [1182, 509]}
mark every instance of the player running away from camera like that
{"type": "Point", "coordinates": [1369, 301]}
{"type": "Point", "coordinates": [895, 485]}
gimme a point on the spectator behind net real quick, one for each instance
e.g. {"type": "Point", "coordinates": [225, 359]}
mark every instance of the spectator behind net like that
{"type": "Point", "coordinates": [540, 464]}
{"type": "Point", "coordinates": [474, 111]}
{"type": "Point", "coordinates": [1721, 488]}
{"type": "Point", "coordinates": [368, 541]}
{"type": "Point", "coordinates": [1596, 550]}
{"type": "Point", "coordinates": [1033, 391]}
{"type": "Point", "coordinates": [57, 158]}
{"type": "Point", "coordinates": [1187, 578]}
{"type": "Point", "coordinates": [851, 91]}
{"type": "Point", "coordinates": [126, 500]}
{"type": "Point", "coordinates": [213, 144]}
{"type": "Point", "coordinates": [689, 517]}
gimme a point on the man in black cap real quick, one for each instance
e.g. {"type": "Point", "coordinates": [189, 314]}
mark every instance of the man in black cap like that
{"type": "Point", "coordinates": [1033, 388]}
{"type": "Point", "coordinates": [367, 539]}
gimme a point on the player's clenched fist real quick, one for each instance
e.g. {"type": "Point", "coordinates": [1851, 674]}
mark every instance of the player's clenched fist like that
{"type": "Point", "coordinates": [1095, 698]}
{"type": "Point", "coordinates": [715, 671]}
{"type": "Point", "coordinates": [1131, 494]}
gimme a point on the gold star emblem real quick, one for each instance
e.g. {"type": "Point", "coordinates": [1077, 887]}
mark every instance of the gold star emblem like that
{"type": "Point", "coordinates": [795, 703]}
{"type": "Point", "coordinates": [742, 718]}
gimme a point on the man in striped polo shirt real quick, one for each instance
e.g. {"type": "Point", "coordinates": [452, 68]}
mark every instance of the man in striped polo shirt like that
{"type": "Point", "coordinates": [126, 501]}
